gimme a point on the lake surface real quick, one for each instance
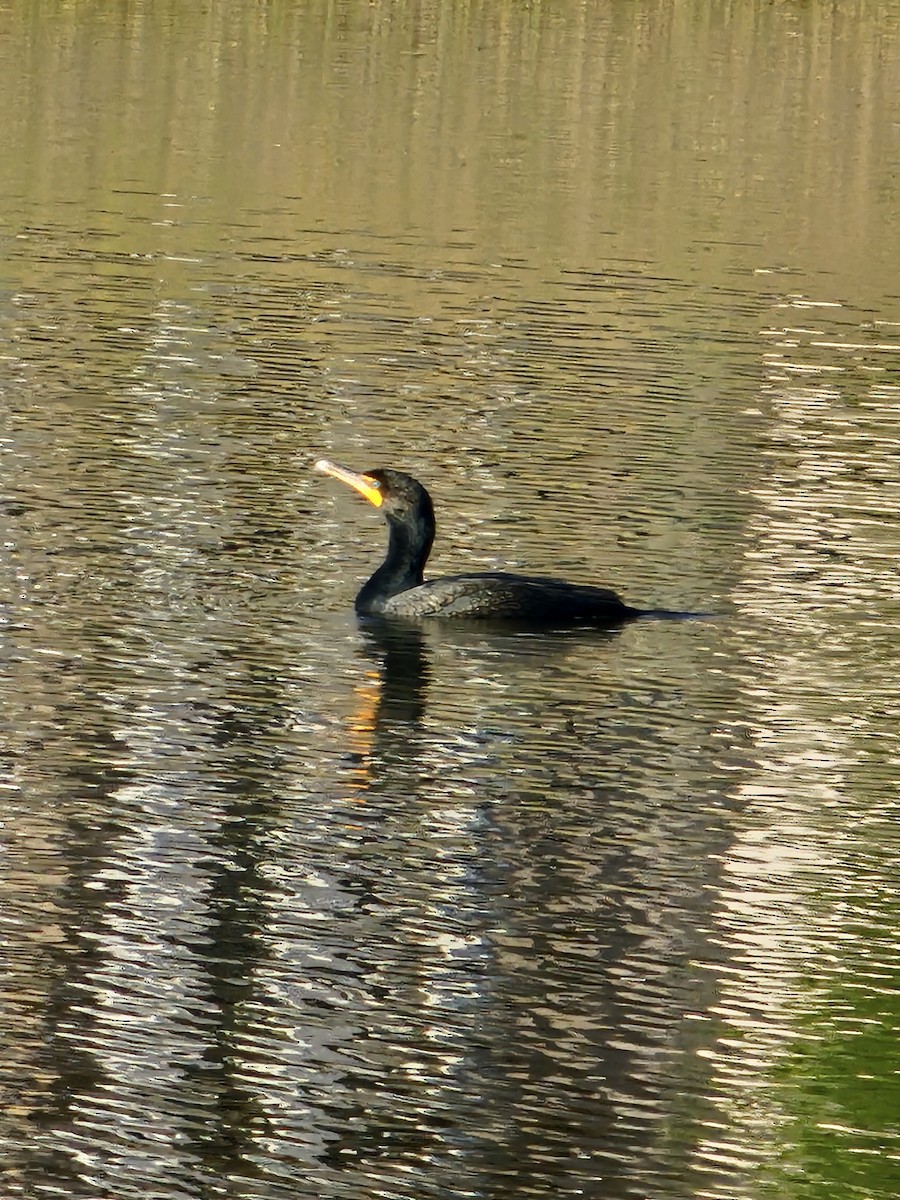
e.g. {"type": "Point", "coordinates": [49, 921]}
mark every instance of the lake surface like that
{"type": "Point", "coordinates": [292, 907]}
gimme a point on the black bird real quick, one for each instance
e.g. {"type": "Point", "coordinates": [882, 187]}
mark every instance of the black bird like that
{"type": "Point", "coordinates": [398, 588]}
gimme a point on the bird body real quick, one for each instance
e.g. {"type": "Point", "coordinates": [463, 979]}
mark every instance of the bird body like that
{"type": "Point", "coordinates": [499, 595]}
{"type": "Point", "coordinates": [398, 588]}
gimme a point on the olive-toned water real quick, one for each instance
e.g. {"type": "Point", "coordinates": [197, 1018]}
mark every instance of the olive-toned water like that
{"type": "Point", "coordinates": [291, 907]}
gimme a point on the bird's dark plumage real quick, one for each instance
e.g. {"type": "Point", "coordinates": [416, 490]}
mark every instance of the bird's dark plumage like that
{"type": "Point", "coordinates": [398, 588]}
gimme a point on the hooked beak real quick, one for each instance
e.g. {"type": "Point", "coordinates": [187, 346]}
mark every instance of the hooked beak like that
{"type": "Point", "coordinates": [367, 487]}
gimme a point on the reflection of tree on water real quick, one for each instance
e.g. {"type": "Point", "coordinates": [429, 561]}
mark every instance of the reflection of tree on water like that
{"type": "Point", "coordinates": [541, 898]}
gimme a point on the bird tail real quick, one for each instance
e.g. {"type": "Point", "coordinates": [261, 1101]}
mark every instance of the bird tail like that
{"type": "Point", "coordinates": [670, 614]}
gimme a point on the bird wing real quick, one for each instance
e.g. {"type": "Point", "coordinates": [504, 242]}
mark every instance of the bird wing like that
{"type": "Point", "coordinates": [501, 596]}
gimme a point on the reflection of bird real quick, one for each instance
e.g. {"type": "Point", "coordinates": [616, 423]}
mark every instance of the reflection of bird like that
{"type": "Point", "coordinates": [397, 588]}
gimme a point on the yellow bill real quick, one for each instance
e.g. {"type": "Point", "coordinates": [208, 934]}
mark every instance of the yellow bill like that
{"type": "Point", "coordinates": [367, 487]}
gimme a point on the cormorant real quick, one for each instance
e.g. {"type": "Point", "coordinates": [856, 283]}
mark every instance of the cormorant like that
{"type": "Point", "coordinates": [398, 587]}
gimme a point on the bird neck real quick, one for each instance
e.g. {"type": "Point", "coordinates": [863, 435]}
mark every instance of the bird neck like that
{"type": "Point", "coordinates": [402, 569]}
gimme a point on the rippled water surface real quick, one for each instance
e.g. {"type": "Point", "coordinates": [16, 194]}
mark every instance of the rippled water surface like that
{"type": "Point", "coordinates": [293, 907]}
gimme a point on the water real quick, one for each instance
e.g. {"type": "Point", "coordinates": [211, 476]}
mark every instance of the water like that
{"type": "Point", "coordinates": [292, 907]}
